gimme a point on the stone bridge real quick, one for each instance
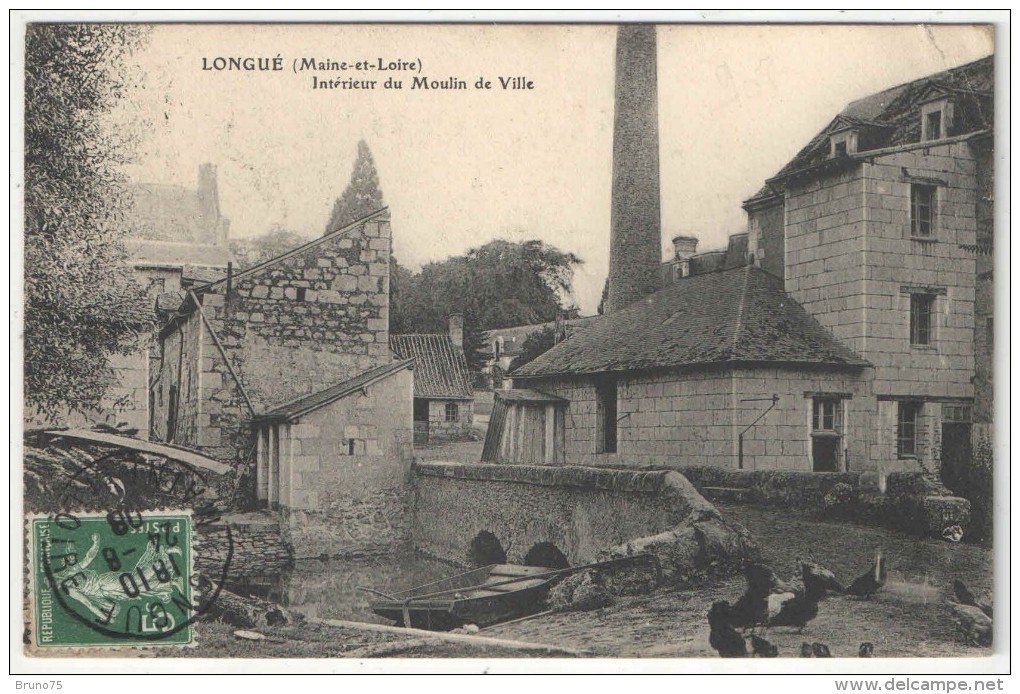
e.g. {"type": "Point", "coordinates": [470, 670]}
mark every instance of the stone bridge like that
{"type": "Point", "coordinates": [478, 513]}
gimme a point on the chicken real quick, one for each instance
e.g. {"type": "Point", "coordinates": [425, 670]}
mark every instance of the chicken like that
{"type": "Point", "coordinates": [796, 612]}
{"type": "Point", "coordinates": [752, 608]}
{"type": "Point", "coordinates": [866, 650]}
{"type": "Point", "coordinates": [723, 637]}
{"type": "Point", "coordinates": [965, 597]}
{"type": "Point", "coordinates": [817, 579]}
{"type": "Point", "coordinates": [820, 650]}
{"type": "Point", "coordinates": [762, 648]}
{"type": "Point", "coordinates": [973, 624]}
{"type": "Point", "coordinates": [868, 584]}
{"type": "Point", "coordinates": [806, 651]}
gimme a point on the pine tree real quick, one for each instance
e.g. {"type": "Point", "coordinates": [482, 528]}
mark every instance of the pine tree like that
{"type": "Point", "coordinates": [362, 196]}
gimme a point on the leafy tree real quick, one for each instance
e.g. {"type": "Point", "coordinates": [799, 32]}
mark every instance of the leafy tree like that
{"type": "Point", "coordinates": [277, 241]}
{"type": "Point", "coordinates": [82, 304]}
{"type": "Point", "coordinates": [536, 344]}
{"type": "Point", "coordinates": [496, 285]}
{"type": "Point", "coordinates": [362, 196]}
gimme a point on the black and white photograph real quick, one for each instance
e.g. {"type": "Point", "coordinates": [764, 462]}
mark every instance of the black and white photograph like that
{"type": "Point", "coordinates": [409, 343]}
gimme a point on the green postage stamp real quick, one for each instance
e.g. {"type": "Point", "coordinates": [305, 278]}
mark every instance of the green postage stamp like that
{"type": "Point", "coordinates": [122, 578]}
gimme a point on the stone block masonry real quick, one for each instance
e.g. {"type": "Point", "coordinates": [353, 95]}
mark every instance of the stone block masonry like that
{"type": "Point", "coordinates": [584, 513]}
{"type": "Point", "coordinates": [307, 320]}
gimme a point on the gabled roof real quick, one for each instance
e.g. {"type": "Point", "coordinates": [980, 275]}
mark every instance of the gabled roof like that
{"type": "Point", "coordinates": [739, 316]}
{"type": "Point", "coordinates": [290, 411]}
{"type": "Point", "coordinates": [892, 117]}
{"type": "Point", "coordinates": [440, 368]}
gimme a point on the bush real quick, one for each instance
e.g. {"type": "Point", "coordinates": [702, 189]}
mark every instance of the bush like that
{"type": "Point", "coordinates": [974, 482]}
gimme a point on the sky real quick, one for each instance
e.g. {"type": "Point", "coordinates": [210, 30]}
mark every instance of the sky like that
{"type": "Point", "coordinates": [461, 167]}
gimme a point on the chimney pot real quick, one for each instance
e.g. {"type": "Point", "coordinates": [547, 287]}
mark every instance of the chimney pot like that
{"type": "Point", "coordinates": [457, 329]}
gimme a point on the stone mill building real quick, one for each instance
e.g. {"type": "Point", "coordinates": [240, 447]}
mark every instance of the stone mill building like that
{"type": "Point", "coordinates": [849, 327]}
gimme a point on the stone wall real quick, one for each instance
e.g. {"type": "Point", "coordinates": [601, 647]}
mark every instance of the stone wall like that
{"type": "Point", "coordinates": [336, 501]}
{"type": "Point", "coordinates": [458, 429]}
{"type": "Point", "coordinates": [582, 511]}
{"type": "Point", "coordinates": [850, 254]}
{"type": "Point", "coordinates": [676, 418]}
{"type": "Point", "coordinates": [309, 320]}
{"type": "Point", "coordinates": [255, 546]}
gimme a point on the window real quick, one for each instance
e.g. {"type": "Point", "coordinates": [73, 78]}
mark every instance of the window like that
{"type": "Point", "coordinates": [922, 210]}
{"type": "Point", "coordinates": [922, 306]}
{"type": "Point", "coordinates": [842, 143]}
{"type": "Point", "coordinates": [300, 293]}
{"type": "Point", "coordinates": [826, 439]}
{"type": "Point", "coordinates": [933, 125]}
{"type": "Point", "coordinates": [605, 396]}
{"type": "Point", "coordinates": [828, 415]}
{"type": "Point", "coordinates": [452, 411]}
{"type": "Point", "coordinates": [906, 429]}
{"type": "Point", "coordinates": [989, 333]}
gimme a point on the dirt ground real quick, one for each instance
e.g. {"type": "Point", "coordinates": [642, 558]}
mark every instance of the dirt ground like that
{"type": "Point", "coordinates": [907, 618]}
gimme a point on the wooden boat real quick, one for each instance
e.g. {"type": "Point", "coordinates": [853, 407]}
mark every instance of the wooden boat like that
{"type": "Point", "coordinates": [482, 596]}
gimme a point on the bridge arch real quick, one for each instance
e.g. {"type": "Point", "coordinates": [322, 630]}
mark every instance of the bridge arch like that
{"type": "Point", "coordinates": [486, 549]}
{"type": "Point", "coordinates": [548, 555]}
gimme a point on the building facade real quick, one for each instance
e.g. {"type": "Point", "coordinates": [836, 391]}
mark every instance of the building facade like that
{"type": "Point", "coordinates": [303, 330]}
{"type": "Point", "coordinates": [443, 396]}
{"type": "Point", "coordinates": [857, 334]}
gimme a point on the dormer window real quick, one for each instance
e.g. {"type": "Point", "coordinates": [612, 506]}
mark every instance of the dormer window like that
{"type": "Point", "coordinates": [936, 119]}
{"type": "Point", "coordinates": [842, 143]}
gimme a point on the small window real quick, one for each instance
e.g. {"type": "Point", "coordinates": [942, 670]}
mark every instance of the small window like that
{"type": "Point", "coordinates": [350, 446]}
{"type": "Point", "coordinates": [933, 125]}
{"type": "Point", "coordinates": [827, 416]}
{"type": "Point", "coordinates": [922, 210]}
{"type": "Point", "coordinates": [300, 293]}
{"type": "Point", "coordinates": [922, 306]}
{"type": "Point", "coordinates": [906, 429]}
{"type": "Point", "coordinates": [452, 412]}
{"type": "Point", "coordinates": [989, 333]}
{"type": "Point", "coordinates": [171, 415]}
{"type": "Point", "coordinates": [839, 149]}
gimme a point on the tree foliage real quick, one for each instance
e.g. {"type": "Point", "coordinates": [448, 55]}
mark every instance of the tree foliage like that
{"type": "Point", "coordinates": [537, 343]}
{"type": "Point", "coordinates": [248, 253]}
{"type": "Point", "coordinates": [82, 304]}
{"type": "Point", "coordinates": [362, 196]}
{"type": "Point", "coordinates": [497, 285]}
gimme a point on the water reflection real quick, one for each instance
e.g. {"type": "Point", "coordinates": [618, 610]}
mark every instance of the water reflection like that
{"type": "Point", "coordinates": [329, 589]}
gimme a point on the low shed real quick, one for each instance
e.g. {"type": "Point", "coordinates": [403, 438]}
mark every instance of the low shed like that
{"type": "Point", "coordinates": [526, 427]}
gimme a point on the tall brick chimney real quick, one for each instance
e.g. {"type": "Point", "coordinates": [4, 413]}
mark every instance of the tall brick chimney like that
{"type": "Point", "coordinates": [636, 228]}
{"type": "Point", "coordinates": [457, 329]}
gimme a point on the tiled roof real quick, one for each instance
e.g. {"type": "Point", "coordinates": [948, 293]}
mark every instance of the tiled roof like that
{"type": "Point", "coordinates": [893, 117]}
{"type": "Point", "coordinates": [174, 253]}
{"type": "Point", "coordinates": [739, 316]}
{"type": "Point", "coordinates": [309, 403]}
{"type": "Point", "coordinates": [515, 336]}
{"type": "Point", "coordinates": [440, 368]}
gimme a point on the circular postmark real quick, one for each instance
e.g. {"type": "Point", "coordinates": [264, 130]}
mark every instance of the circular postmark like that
{"type": "Point", "coordinates": [126, 576]}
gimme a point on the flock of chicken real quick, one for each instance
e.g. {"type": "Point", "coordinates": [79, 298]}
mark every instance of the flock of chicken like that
{"type": "Point", "coordinates": [771, 602]}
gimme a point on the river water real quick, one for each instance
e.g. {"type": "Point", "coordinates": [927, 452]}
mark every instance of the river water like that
{"type": "Point", "coordinates": [329, 589]}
